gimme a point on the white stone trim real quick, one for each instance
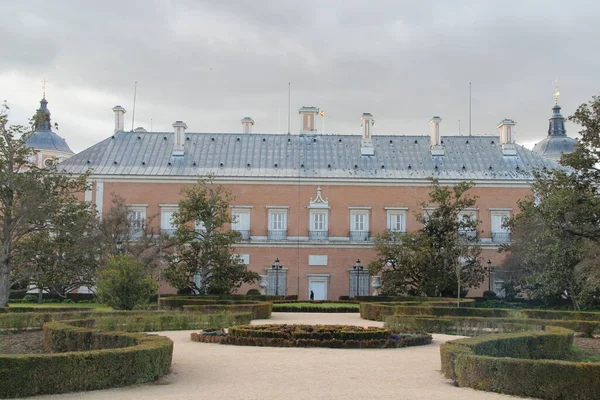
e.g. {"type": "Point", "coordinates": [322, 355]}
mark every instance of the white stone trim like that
{"type": "Point", "coordinates": [319, 275]}
{"type": "Point", "coordinates": [100, 197]}
{"type": "Point", "coordinates": [359, 208]}
{"type": "Point", "coordinates": [133, 205]}
{"type": "Point", "coordinates": [395, 208]}
{"type": "Point", "coordinates": [277, 207]}
{"type": "Point", "coordinates": [318, 260]}
{"type": "Point", "coordinates": [247, 207]}
{"type": "Point", "coordinates": [500, 209]}
{"type": "Point", "coordinates": [172, 205]}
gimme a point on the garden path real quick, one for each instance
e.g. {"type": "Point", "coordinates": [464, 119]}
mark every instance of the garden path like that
{"type": "Point", "coordinates": [212, 371]}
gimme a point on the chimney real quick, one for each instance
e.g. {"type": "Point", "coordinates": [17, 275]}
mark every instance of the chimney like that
{"type": "Point", "coordinates": [366, 144]}
{"type": "Point", "coordinates": [178, 148]}
{"type": "Point", "coordinates": [247, 123]}
{"type": "Point", "coordinates": [506, 140]}
{"type": "Point", "coordinates": [119, 118]}
{"type": "Point", "coordinates": [308, 116]}
{"type": "Point", "coordinates": [434, 137]}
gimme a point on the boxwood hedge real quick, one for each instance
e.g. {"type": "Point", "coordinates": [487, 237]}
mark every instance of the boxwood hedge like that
{"type": "Point", "coordinates": [85, 360]}
{"type": "Point", "coordinates": [524, 364]}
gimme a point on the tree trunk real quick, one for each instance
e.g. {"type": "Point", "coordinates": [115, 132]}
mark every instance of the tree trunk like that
{"type": "Point", "coordinates": [4, 280]}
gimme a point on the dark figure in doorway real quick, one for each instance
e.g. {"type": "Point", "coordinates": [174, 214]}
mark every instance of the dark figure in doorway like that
{"type": "Point", "coordinates": [312, 295]}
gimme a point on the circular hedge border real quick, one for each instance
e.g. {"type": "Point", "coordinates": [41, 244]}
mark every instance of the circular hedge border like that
{"type": "Point", "coordinates": [333, 336]}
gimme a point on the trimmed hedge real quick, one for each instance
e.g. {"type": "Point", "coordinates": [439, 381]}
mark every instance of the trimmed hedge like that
{"type": "Point", "coordinates": [314, 307]}
{"type": "Point", "coordinates": [379, 311]}
{"type": "Point", "coordinates": [519, 364]}
{"type": "Point", "coordinates": [93, 360]}
{"type": "Point", "coordinates": [334, 336]}
{"type": "Point", "coordinates": [4, 310]}
{"type": "Point", "coordinates": [258, 310]}
{"type": "Point", "coordinates": [133, 321]}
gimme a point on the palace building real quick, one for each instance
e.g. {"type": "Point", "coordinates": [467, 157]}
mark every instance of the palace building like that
{"type": "Point", "coordinates": [312, 201]}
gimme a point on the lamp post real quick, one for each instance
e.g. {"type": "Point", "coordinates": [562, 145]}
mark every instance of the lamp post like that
{"type": "Point", "coordinates": [358, 268]}
{"type": "Point", "coordinates": [119, 247]}
{"type": "Point", "coordinates": [489, 269]}
{"type": "Point", "coordinates": [276, 267]}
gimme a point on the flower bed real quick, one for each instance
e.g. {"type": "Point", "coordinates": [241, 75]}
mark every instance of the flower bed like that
{"type": "Point", "coordinates": [334, 336]}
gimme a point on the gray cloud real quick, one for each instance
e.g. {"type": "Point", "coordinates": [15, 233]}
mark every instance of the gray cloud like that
{"type": "Point", "coordinates": [212, 62]}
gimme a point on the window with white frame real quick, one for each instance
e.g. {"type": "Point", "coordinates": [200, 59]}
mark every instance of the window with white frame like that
{"type": "Point", "coordinates": [359, 224]}
{"type": "Point", "coordinates": [500, 232]}
{"type": "Point", "coordinates": [277, 224]}
{"type": "Point", "coordinates": [467, 229]}
{"type": "Point", "coordinates": [241, 221]}
{"type": "Point", "coordinates": [277, 282]}
{"type": "Point", "coordinates": [167, 225]}
{"type": "Point", "coordinates": [396, 220]}
{"type": "Point", "coordinates": [137, 220]}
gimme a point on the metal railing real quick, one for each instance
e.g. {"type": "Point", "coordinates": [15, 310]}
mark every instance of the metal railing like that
{"type": "Point", "coordinates": [245, 233]}
{"type": "Point", "coordinates": [318, 235]}
{"type": "Point", "coordinates": [277, 235]}
{"type": "Point", "coordinates": [500, 237]}
{"type": "Point", "coordinates": [359, 235]}
{"type": "Point", "coordinates": [467, 236]}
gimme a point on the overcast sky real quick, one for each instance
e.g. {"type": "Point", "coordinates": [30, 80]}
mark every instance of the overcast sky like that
{"type": "Point", "coordinates": [210, 63]}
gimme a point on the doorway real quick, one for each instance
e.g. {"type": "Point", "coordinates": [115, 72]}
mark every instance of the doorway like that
{"type": "Point", "coordinates": [318, 287]}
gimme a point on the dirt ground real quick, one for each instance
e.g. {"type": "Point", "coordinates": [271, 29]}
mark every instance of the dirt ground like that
{"type": "Point", "coordinates": [212, 371]}
{"type": "Point", "coordinates": [24, 342]}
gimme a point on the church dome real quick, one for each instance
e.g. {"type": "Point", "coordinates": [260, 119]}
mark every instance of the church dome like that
{"type": "Point", "coordinates": [557, 142]}
{"type": "Point", "coordinates": [42, 138]}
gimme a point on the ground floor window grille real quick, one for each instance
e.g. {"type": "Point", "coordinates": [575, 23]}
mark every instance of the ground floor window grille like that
{"type": "Point", "coordinates": [359, 283]}
{"type": "Point", "coordinates": [277, 282]}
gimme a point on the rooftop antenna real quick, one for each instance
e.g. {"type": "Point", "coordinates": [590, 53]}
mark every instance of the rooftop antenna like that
{"type": "Point", "coordinates": [289, 104]}
{"type": "Point", "coordinates": [151, 125]}
{"type": "Point", "coordinates": [133, 114]}
{"type": "Point", "coordinates": [469, 108]}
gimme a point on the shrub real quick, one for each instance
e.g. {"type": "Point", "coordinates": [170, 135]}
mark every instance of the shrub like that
{"type": "Point", "coordinates": [316, 307]}
{"type": "Point", "coordinates": [258, 310]}
{"type": "Point", "coordinates": [132, 321]}
{"type": "Point", "coordinates": [520, 364]}
{"type": "Point", "coordinates": [336, 336]}
{"type": "Point", "coordinates": [489, 294]}
{"type": "Point", "coordinates": [51, 301]}
{"type": "Point", "coordinates": [67, 301]}
{"type": "Point", "coordinates": [124, 284]}
{"type": "Point", "coordinates": [253, 292]}
{"type": "Point", "coordinates": [94, 360]}
{"type": "Point", "coordinates": [29, 299]}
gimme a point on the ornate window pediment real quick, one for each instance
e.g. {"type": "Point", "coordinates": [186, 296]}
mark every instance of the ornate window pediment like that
{"type": "Point", "coordinates": [318, 202]}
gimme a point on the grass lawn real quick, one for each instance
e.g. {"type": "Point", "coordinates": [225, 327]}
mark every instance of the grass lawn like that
{"type": "Point", "coordinates": [95, 306]}
{"type": "Point", "coordinates": [318, 305]}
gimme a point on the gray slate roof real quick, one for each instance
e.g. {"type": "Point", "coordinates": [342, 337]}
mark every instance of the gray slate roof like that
{"type": "Point", "coordinates": [47, 140]}
{"type": "Point", "coordinates": [304, 156]}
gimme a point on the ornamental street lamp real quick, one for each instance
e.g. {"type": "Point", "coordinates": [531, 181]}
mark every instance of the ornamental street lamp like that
{"type": "Point", "coordinates": [489, 270]}
{"type": "Point", "coordinates": [358, 270]}
{"type": "Point", "coordinates": [276, 267]}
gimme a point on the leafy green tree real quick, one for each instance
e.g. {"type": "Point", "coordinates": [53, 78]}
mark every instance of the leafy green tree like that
{"type": "Point", "coordinates": [125, 284]}
{"type": "Point", "coordinates": [557, 232]}
{"type": "Point", "coordinates": [66, 255]}
{"type": "Point", "coordinates": [204, 248]}
{"type": "Point", "coordinates": [439, 258]}
{"type": "Point", "coordinates": [28, 196]}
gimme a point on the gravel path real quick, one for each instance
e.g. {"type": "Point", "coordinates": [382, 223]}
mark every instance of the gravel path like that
{"type": "Point", "coordinates": [213, 371]}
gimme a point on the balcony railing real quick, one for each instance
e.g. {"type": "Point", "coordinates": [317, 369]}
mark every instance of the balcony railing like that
{"type": "Point", "coordinates": [467, 236]}
{"type": "Point", "coordinates": [359, 235]}
{"type": "Point", "coordinates": [277, 235]}
{"type": "Point", "coordinates": [500, 237]}
{"type": "Point", "coordinates": [245, 233]}
{"type": "Point", "coordinates": [318, 235]}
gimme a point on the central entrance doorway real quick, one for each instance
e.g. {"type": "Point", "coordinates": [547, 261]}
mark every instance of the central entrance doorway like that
{"type": "Point", "coordinates": [318, 285]}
